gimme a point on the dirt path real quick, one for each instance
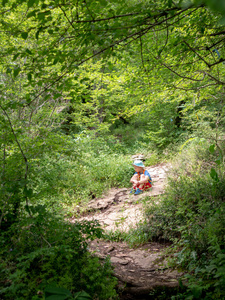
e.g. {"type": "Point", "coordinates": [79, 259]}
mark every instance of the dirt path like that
{"type": "Point", "coordinates": [142, 269]}
{"type": "Point", "coordinates": [118, 210]}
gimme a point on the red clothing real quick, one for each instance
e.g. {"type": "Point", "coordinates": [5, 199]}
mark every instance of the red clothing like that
{"type": "Point", "coordinates": [145, 186]}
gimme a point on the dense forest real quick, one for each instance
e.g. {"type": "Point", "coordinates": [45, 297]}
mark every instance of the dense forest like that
{"type": "Point", "coordinates": [84, 85]}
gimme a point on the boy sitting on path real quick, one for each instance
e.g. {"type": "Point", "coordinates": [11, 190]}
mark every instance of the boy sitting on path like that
{"type": "Point", "coordinates": [141, 179]}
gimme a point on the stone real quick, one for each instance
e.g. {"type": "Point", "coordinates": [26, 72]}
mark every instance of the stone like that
{"type": "Point", "coordinates": [117, 260]}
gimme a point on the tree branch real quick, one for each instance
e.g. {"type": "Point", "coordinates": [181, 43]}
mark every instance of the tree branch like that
{"type": "Point", "coordinates": [208, 65]}
{"type": "Point", "coordinates": [142, 55]}
{"type": "Point", "coordinates": [181, 76]}
{"type": "Point", "coordinates": [195, 88]}
{"type": "Point", "coordinates": [217, 33]}
{"type": "Point", "coordinates": [109, 18]}
{"type": "Point", "coordinates": [93, 19]}
{"type": "Point", "coordinates": [21, 150]}
{"type": "Point", "coordinates": [215, 79]}
{"type": "Point", "coordinates": [167, 36]}
{"type": "Point", "coordinates": [218, 62]}
{"type": "Point", "coordinates": [139, 33]}
{"type": "Point", "coordinates": [71, 23]}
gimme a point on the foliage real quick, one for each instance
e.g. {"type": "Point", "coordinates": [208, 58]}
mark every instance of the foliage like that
{"type": "Point", "coordinates": [86, 84]}
{"type": "Point", "coordinates": [207, 282]}
{"type": "Point", "coordinates": [46, 250]}
{"type": "Point", "coordinates": [190, 214]}
{"type": "Point", "coordinates": [52, 292]}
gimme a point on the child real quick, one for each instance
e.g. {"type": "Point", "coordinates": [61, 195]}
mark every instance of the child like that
{"type": "Point", "coordinates": [141, 179]}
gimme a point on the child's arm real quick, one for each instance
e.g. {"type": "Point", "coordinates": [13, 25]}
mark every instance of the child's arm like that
{"type": "Point", "coordinates": [143, 179]}
{"type": "Point", "coordinates": [134, 179]}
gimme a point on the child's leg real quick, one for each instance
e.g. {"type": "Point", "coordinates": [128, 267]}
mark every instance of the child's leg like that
{"type": "Point", "coordinates": [141, 185]}
{"type": "Point", "coordinates": [146, 185]}
{"type": "Point", "coordinates": [134, 179]}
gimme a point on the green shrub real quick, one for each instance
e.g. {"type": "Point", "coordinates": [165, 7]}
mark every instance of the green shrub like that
{"type": "Point", "coordinates": [191, 215]}
{"type": "Point", "coordinates": [43, 249]}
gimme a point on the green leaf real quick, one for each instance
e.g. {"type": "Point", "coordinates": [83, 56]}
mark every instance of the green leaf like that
{"type": "Point", "coordinates": [4, 2]}
{"type": "Point", "coordinates": [218, 161]}
{"type": "Point", "coordinates": [55, 61]}
{"type": "Point", "coordinates": [44, 5]}
{"type": "Point", "coordinates": [15, 56]}
{"type": "Point", "coordinates": [16, 71]}
{"type": "Point", "coordinates": [57, 297]}
{"type": "Point", "coordinates": [82, 296]}
{"type": "Point", "coordinates": [57, 293]}
{"type": "Point", "coordinates": [222, 21]}
{"type": "Point", "coordinates": [24, 35]}
{"type": "Point", "coordinates": [169, 3]}
{"type": "Point", "coordinates": [202, 30]}
{"type": "Point", "coordinates": [37, 34]}
{"type": "Point", "coordinates": [47, 97]}
{"type": "Point", "coordinates": [28, 51]}
{"type": "Point", "coordinates": [12, 104]}
{"type": "Point", "coordinates": [57, 290]}
{"type": "Point", "coordinates": [41, 16]}
{"type": "Point", "coordinates": [197, 292]}
{"type": "Point", "coordinates": [29, 76]}
{"type": "Point", "coordinates": [32, 14]}
{"type": "Point", "coordinates": [31, 3]}
{"type": "Point", "coordinates": [28, 98]}
{"type": "Point", "coordinates": [103, 2]}
{"type": "Point", "coordinates": [28, 192]}
{"type": "Point", "coordinates": [56, 96]}
{"type": "Point", "coordinates": [212, 148]}
{"type": "Point", "coordinates": [214, 174]}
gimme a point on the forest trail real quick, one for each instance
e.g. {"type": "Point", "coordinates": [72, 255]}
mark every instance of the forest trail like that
{"type": "Point", "coordinates": [144, 268]}
{"type": "Point", "coordinates": [118, 210]}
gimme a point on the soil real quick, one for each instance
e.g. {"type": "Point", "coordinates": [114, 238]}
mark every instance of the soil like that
{"type": "Point", "coordinates": [142, 270]}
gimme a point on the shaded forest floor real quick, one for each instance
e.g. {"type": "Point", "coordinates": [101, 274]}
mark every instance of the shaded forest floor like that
{"type": "Point", "coordinates": [144, 268]}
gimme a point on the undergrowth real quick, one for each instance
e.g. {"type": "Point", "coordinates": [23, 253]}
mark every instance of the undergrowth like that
{"type": "Point", "coordinates": [39, 251]}
{"type": "Point", "coordinates": [191, 215]}
{"type": "Point", "coordinates": [48, 251]}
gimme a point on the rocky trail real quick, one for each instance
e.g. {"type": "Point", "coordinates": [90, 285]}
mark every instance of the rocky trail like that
{"type": "Point", "coordinates": [143, 269]}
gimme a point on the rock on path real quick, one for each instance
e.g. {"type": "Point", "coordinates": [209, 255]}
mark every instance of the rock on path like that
{"type": "Point", "coordinates": [139, 271]}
